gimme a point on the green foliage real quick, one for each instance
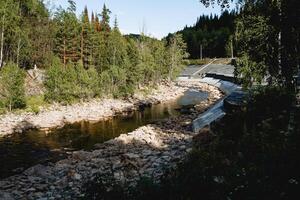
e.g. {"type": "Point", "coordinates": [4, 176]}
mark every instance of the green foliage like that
{"type": "Point", "coordinates": [34, 103]}
{"type": "Point", "coordinates": [67, 35]}
{"type": "Point", "coordinates": [87, 82]}
{"type": "Point", "coordinates": [12, 93]}
{"type": "Point", "coordinates": [212, 32]}
{"type": "Point", "coordinates": [257, 45]}
{"type": "Point", "coordinates": [105, 14]}
{"type": "Point", "coordinates": [70, 83]}
{"type": "Point", "coordinates": [176, 55]}
{"type": "Point", "coordinates": [86, 39]}
{"type": "Point", "coordinates": [26, 30]}
{"type": "Point", "coordinates": [267, 32]}
{"type": "Point", "coordinates": [60, 82]}
{"type": "Point", "coordinates": [249, 70]}
{"type": "Point", "coordinates": [93, 58]}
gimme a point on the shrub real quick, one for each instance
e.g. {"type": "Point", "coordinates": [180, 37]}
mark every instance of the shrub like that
{"type": "Point", "coordinates": [87, 82]}
{"type": "Point", "coordinates": [34, 103]}
{"type": "Point", "coordinates": [12, 92]}
{"type": "Point", "coordinates": [70, 83]}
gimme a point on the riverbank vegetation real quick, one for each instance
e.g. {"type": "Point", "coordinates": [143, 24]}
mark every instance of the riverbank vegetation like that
{"type": "Point", "coordinates": [83, 57]}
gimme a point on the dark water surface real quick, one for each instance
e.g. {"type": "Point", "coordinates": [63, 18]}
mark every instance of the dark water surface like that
{"type": "Point", "coordinates": [20, 151]}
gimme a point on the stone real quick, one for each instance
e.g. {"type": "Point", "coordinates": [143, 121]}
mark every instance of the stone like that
{"type": "Point", "coordinates": [132, 156]}
{"type": "Point", "coordinates": [182, 147]}
{"type": "Point", "coordinates": [77, 176]}
{"type": "Point", "coordinates": [31, 190]}
{"type": "Point", "coordinates": [6, 196]}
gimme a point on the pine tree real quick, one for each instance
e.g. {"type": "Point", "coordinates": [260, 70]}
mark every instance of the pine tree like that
{"type": "Point", "coordinates": [10, 30]}
{"type": "Point", "coordinates": [67, 43]}
{"type": "Point", "coordinates": [86, 46]}
{"type": "Point", "coordinates": [93, 18]}
{"type": "Point", "coordinates": [116, 47]}
{"type": "Point", "coordinates": [105, 16]}
{"type": "Point", "coordinates": [97, 24]}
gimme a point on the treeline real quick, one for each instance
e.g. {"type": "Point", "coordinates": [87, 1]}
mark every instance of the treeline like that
{"type": "Point", "coordinates": [84, 57]}
{"type": "Point", "coordinates": [213, 33]}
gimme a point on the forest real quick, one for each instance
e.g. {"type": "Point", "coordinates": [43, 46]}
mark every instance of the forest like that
{"type": "Point", "coordinates": [214, 33]}
{"type": "Point", "coordinates": [83, 57]}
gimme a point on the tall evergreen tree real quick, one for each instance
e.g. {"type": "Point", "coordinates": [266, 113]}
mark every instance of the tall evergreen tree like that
{"type": "Point", "coordinates": [9, 30]}
{"type": "Point", "coordinates": [86, 46]}
{"type": "Point", "coordinates": [68, 36]}
{"type": "Point", "coordinates": [105, 19]}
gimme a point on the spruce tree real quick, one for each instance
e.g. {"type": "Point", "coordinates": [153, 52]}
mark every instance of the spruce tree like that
{"type": "Point", "coordinates": [105, 19]}
{"type": "Point", "coordinates": [86, 36]}
{"type": "Point", "coordinates": [67, 39]}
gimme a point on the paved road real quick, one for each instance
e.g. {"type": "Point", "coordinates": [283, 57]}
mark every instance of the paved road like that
{"type": "Point", "coordinates": [198, 71]}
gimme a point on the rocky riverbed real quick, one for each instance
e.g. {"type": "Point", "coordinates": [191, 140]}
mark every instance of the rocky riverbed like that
{"type": "Point", "coordinates": [98, 109]}
{"type": "Point", "coordinates": [145, 152]}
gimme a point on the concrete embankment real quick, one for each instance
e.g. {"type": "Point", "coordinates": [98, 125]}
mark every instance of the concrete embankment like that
{"type": "Point", "coordinates": [217, 111]}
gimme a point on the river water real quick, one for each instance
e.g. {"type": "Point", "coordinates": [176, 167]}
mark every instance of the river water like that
{"type": "Point", "coordinates": [20, 151]}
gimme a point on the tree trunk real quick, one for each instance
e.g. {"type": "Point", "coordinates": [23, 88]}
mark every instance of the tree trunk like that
{"type": "Point", "coordinates": [82, 46]}
{"type": "Point", "coordinates": [65, 52]}
{"type": "Point", "coordinates": [114, 57]}
{"type": "Point", "coordinates": [18, 51]}
{"type": "Point", "coordinates": [2, 42]}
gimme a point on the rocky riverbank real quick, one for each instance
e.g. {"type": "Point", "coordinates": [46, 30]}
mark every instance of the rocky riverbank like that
{"type": "Point", "coordinates": [145, 152]}
{"type": "Point", "coordinates": [98, 109]}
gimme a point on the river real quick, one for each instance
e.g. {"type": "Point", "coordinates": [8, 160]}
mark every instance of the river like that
{"type": "Point", "coordinates": [20, 151]}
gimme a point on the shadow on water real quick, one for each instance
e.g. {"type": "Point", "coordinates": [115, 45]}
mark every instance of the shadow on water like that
{"type": "Point", "coordinates": [20, 151]}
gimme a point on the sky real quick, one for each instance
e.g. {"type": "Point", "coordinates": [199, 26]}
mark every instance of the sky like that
{"type": "Point", "coordinates": [158, 17]}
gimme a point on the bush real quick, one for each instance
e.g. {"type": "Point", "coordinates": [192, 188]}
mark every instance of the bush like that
{"type": "Point", "coordinates": [87, 82]}
{"type": "Point", "coordinates": [12, 92]}
{"type": "Point", "coordinates": [70, 83]}
{"type": "Point", "coordinates": [34, 103]}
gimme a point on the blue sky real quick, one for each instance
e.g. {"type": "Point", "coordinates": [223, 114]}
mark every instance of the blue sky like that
{"type": "Point", "coordinates": [159, 17]}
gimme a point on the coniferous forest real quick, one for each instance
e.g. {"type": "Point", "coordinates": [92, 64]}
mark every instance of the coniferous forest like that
{"type": "Point", "coordinates": [83, 57]}
{"type": "Point", "coordinates": [213, 34]}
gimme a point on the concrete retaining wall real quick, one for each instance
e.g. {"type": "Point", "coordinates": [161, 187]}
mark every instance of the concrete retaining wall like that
{"type": "Point", "coordinates": [217, 110]}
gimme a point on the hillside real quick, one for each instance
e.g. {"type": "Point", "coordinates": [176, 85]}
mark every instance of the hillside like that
{"type": "Point", "coordinates": [213, 33]}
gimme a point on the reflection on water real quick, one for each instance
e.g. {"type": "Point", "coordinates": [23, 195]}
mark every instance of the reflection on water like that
{"type": "Point", "coordinates": [21, 151]}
